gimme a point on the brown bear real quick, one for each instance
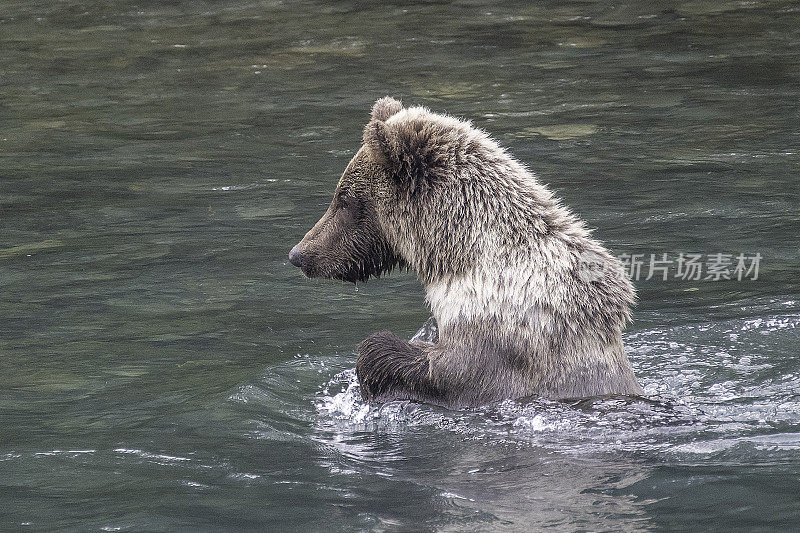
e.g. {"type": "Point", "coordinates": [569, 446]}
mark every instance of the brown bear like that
{"type": "Point", "coordinates": [502, 261]}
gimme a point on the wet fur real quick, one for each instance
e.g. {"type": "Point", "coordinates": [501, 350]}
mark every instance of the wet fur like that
{"type": "Point", "coordinates": [500, 259]}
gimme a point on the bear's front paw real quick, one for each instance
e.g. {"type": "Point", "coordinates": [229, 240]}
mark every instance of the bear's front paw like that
{"type": "Point", "coordinates": [389, 368]}
{"type": "Point", "coordinates": [374, 364]}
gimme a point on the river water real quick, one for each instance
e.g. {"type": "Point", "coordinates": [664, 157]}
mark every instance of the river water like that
{"type": "Point", "coordinates": [165, 369]}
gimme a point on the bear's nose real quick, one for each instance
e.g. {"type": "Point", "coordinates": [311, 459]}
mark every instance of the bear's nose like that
{"type": "Point", "coordinates": [296, 256]}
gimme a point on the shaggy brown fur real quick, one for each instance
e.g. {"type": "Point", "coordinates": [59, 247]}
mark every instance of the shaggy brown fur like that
{"type": "Point", "coordinates": [503, 264]}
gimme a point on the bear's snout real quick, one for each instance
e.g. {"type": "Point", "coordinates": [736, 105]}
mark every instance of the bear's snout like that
{"type": "Point", "coordinates": [297, 257]}
{"type": "Point", "coordinates": [302, 258]}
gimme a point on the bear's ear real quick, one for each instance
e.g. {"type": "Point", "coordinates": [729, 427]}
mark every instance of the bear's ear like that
{"type": "Point", "coordinates": [381, 142]}
{"type": "Point", "coordinates": [410, 152]}
{"type": "Point", "coordinates": [385, 107]}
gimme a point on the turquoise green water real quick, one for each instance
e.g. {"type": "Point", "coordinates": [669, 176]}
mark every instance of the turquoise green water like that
{"type": "Point", "coordinates": [165, 368]}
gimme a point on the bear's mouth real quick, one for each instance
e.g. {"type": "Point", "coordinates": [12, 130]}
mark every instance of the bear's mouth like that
{"type": "Point", "coordinates": [309, 271]}
{"type": "Point", "coordinates": [370, 259]}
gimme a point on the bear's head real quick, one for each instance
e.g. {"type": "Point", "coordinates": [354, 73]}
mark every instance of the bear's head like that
{"type": "Point", "coordinates": [401, 201]}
